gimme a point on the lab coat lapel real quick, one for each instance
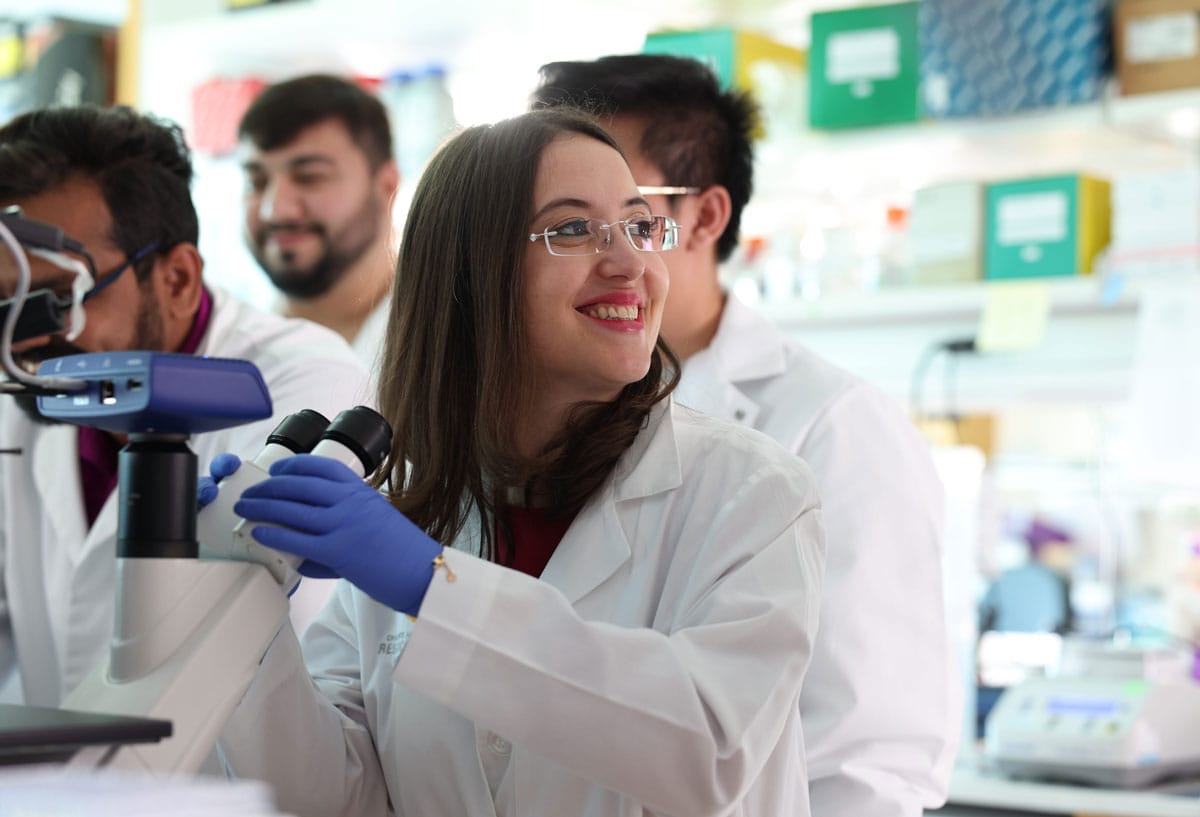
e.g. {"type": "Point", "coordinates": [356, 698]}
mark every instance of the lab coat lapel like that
{"type": "Point", "coordinates": [746, 348]}
{"type": "Point", "coordinates": [41, 596]}
{"type": "Point", "coordinates": [596, 545]}
{"type": "Point", "coordinates": [53, 449]}
{"type": "Point", "coordinates": [593, 548]}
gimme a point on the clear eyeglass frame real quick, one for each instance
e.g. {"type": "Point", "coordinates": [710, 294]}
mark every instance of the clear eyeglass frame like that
{"type": "Point", "coordinates": [668, 190]}
{"type": "Point", "coordinates": [598, 238]}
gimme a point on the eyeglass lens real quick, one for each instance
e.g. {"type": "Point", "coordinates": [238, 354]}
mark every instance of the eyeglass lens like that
{"type": "Point", "coordinates": [588, 236]}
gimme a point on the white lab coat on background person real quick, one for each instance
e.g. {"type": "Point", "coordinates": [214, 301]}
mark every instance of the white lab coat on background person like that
{"type": "Point", "coordinates": [58, 577]}
{"type": "Point", "coordinates": [881, 705]}
{"type": "Point", "coordinates": [654, 668]}
{"type": "Point", "coordinates": [368, 343]}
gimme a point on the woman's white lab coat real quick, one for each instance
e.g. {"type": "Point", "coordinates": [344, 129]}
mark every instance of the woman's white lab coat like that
{"type": "Point", "coordinates": [653, 669]}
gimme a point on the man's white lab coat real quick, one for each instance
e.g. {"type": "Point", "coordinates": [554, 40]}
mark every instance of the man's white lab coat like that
{"type": "Point", "coordinates": [880, 705]}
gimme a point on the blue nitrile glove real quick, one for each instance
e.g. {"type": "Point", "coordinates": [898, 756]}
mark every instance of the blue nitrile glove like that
{"type": "Point", "coordinates": [342, 527]}
{"type": "Point", "coordinates": [221, 466]}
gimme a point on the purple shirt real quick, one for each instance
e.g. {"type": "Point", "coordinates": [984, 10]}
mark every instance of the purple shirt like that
{"type": "Point", "coordinates": [98, 449]}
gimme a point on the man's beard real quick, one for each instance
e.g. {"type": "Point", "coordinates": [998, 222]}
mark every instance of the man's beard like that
{"type": "Point", "coordinates": [149, 336]}
{"type": "Point", "coordinates": [338, 253]}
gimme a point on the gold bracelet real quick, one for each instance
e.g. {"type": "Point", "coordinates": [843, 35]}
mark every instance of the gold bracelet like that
{"type": "Point", "coordinates": [440, 561]}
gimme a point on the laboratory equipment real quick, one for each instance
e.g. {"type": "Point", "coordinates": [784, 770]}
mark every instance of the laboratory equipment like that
{"type": "Point", "coordinates": [38, 734]}
{"type": "Point", "coordinates": [1112, 715]}
{"type": "Point", "coordinates": [358, 438]}
{"type": "Point", "coordinates": [41, 314]}
{"type": "Point", "coordinates": [188, 634]}
{"type": "Point", "coordinates": [139, 392]}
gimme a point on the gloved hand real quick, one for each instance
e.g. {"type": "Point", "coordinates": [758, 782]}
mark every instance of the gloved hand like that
{"type": "Point", "coordinates": [342, 527]}
{"type": "Point", "coordinates": [221, 466]}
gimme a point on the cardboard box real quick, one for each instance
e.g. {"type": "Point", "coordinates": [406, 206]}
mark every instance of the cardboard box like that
{"type": "Point", "coordinates": [863, 66]}
{"type": "Point", "coordinates": [1158, 45]}
{"type": "Point", "coordinates": [1047, 226]}
{"type": "Point", "coordinates": [771, 71]}
{"type": "Point", "coordinates": [990, 57]}
{"type": "Point", "coordinates": [945, 233]}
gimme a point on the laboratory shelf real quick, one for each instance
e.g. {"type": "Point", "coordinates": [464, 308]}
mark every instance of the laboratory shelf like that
{"type": "Point", "coordinates": [1086, 354]}
{"type": "Point", "coordinates": [1081, 294]}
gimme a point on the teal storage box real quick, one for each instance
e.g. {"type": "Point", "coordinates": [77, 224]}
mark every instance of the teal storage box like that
{"type": "Point", "coordinates": [1048, 226]}
{"type": "Point", "coordinates": [864, 66]}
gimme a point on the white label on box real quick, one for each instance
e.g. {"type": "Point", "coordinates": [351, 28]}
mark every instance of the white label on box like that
{"type": "Point", "coordinates": [866, 54]}
{"type": "Point", "coordinates": [1031, 218]}
{"type": "Point", "coordinates": [1162, 38]}
{"type": "Point", "coordinates": [950, 245]}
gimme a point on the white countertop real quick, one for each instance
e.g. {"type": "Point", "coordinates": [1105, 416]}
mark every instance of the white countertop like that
{"type": "Point", "coordinates": [975, 785]}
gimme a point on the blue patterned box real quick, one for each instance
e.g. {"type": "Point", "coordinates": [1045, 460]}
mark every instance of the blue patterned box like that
{"type": "Point", "coordinates": [985, 57]}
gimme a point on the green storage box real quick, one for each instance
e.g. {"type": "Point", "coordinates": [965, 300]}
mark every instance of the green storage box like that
{"type": "Point", "coordinates": [864, 66]}
{"type": "Point", "coordinates": [1047, 226]}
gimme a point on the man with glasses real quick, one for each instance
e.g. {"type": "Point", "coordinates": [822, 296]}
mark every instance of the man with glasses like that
{"type": "Point", "coordinates": [879, 708]}
{"type": "Point", "coordinates": [117, 184]}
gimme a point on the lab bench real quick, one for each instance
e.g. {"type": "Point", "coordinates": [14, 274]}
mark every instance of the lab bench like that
{"type": "Point", "coordinates": [979, 791]}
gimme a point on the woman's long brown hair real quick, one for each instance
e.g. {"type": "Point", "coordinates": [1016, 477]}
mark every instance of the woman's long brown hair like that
{"type": "Point", "coordinates": [451, 380]}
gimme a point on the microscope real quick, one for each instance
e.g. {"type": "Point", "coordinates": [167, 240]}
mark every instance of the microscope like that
{"type": "Point", "coordinates": [198, 601]}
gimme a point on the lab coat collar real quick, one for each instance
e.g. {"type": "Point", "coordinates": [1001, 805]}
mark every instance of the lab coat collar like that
{"type": "Point", "coordinates": [595, 546]}
{"type": "Point", "coordinates": [745, 348]}
{"type": "Point", "coordinates": [651, 464]}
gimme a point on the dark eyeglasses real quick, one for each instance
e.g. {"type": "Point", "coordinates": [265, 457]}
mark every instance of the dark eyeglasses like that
{"type": "Point", "coordinates": [107, 278]}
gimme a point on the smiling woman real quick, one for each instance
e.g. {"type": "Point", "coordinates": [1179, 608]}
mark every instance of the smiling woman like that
{"type": "Point", "coordinates": [571, 597]}
{"type": "Point", "coordinates": [591, 320]}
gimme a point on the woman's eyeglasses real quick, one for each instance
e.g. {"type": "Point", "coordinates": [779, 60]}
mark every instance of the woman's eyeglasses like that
{"type": "Point", "coordinates": [588, 236]}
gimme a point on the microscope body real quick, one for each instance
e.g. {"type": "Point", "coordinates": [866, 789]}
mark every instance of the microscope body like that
{"type": "Point", "coordinates": [189, 633]}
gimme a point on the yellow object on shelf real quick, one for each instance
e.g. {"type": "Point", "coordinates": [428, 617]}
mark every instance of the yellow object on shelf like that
{"type": "Point", "coordinates": [11, 51]}
{"type": "Point", "coordinates": [978, 430]}
{"type": "Point", "coordinates": [1014, 316]}
{"type": "Point", "coordinates": [771, 71]}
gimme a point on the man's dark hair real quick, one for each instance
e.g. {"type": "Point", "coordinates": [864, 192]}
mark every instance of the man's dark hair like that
{"type": "Point", "coordinates": [281, 111]}
{"type": "Point", "coordinates": [140, 163]}
{"type": "Point", "coordinates": [697, 133]}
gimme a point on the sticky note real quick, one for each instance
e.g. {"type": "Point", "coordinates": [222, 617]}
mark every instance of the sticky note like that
{"type": "Point", "coordinates": [1014, 316]}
